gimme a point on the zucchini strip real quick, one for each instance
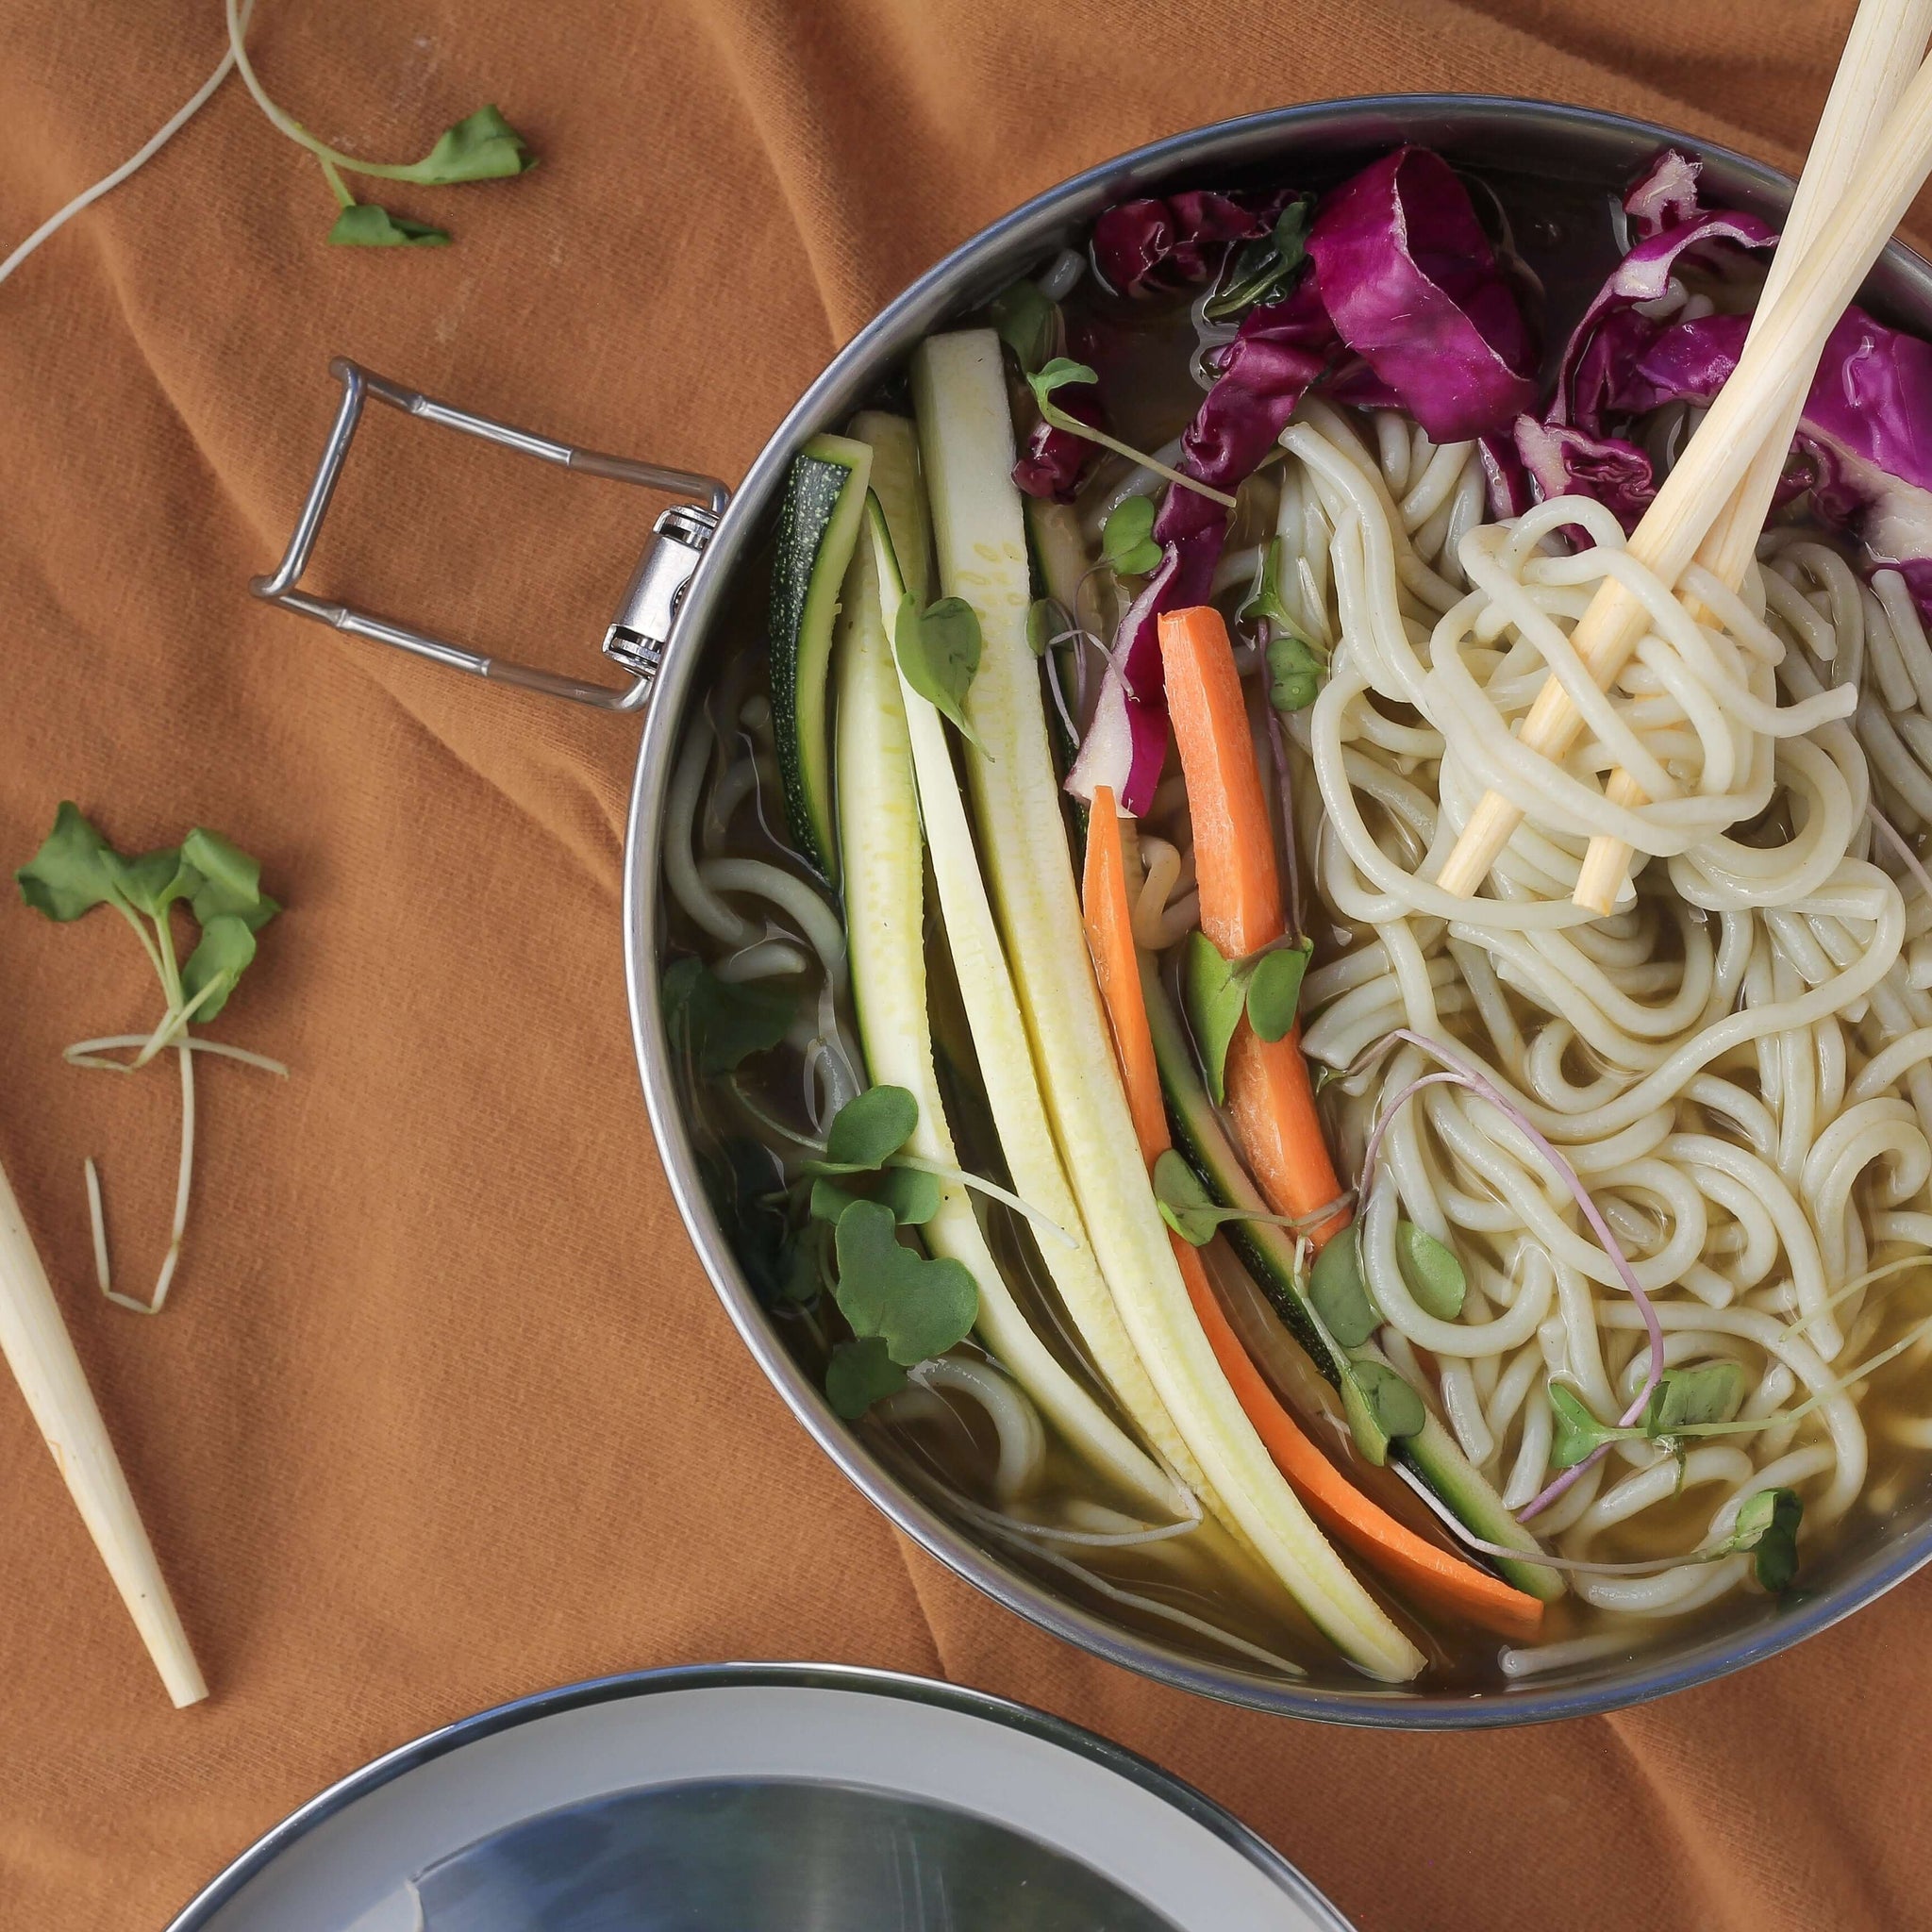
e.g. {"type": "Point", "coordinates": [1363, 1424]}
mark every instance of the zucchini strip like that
{"type": "Point", "coordinates": [883, 867]}
{"type": "Point", "coordinates": [967, 440]}
{"type": "Point", "coordinates": [819, 525]}
{"type": "Point", "coordinates": [1006, 1065]}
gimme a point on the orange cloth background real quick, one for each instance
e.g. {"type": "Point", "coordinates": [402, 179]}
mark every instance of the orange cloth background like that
{"type": "Point", "coordinates": [443, 1410]}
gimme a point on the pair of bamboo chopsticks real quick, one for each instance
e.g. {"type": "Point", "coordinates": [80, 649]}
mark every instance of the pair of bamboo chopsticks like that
{"type": "Point", "coordinates": [40, 1353]}
{"type": "Point", "coordinates": [1872, 151]}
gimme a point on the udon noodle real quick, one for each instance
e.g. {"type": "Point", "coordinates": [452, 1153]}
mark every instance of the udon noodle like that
{"type": "Point", "coordinates": [1736, 1062]}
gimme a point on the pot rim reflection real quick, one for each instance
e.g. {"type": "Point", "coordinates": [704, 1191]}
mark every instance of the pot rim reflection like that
{"type": "Point", "coordinates": [1475, 129]}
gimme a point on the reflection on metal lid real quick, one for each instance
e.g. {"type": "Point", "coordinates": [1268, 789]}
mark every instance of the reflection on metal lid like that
{"type": "Point", "coordinates": [761, 1798]}
{"type": "Point", "coordinates": [768, 1857]}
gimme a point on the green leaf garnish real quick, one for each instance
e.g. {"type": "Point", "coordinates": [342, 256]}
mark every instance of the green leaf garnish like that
{"type": "Point", "coordinates": [860, 1373]}
{"type": "Point", "coordinates": [1062, 370]}
{"type": "Point", "coordinates": [365, 225]}
{"type": "Point", "coordinates": [1127, 539]}
{"type": "Point", "coordinates": [1214, 994]}
{"type": "Point", "coordinates": [1696, 1394]}
{"type": "Point", "coordinates": [1274, 988]}
{"type": "Point", "coordinates": [1394, 1408]}
{"type": "Point", "coordinates": [1045, 621]}
{"type": "Point", "coordinates": [721, 1024]}
{"type": "Point", "coordinates": [230, 881]}
{"type": "Point", "coordinates": [1217, 990]}
{"type": "Point", "coordinates": [1339, 1292]}
{"type": "Point", "coordinates": [1431, 1272]}
{"type": "Point", "coordinates": [1027, 322]}
{"type": "Point", "coordinates": [1294, 672]}
{"type": "Point", "coordinates": [919, 1308]}
{"type": "Point", "coordinates": [209, 973]}
{"type": "Point", "coordinates": [938, 649]}
{"type": "Point", "coordinates": [1264, 599]}
{"type": "Point", "coordinates": [1767, 1526]}
{"type": "Point", "coordinates": [867, 1131]}
{"type": "Point", "coordinates": [482, 146]}
{"type": "Point", "coordinates": [1579, 1434]}
{"type": "Point", "coordinates": [71, 874]}
{"type": "Point", "coordinates": [1263, 270]}
{"type": "Point", "coordinates": [913, 1196]}
{"type": "Point", "coordinates": [1188, 1209]}
{"type": "Point", "coordinates": [1184, 1202]}
{"type": "Point", "coordinates": [154, 881]}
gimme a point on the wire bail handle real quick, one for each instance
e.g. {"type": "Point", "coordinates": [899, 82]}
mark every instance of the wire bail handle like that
{"type": "Point", "coordinates": [637, 634]}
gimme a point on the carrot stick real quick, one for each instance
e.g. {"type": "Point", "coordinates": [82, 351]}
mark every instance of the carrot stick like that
{"type": "Point", "coordinates": [1268, 1096]}
{"type": "Point", "coordinates": [1117, 966]}
{"type": "Point", "coordinates": [1435, 1576]}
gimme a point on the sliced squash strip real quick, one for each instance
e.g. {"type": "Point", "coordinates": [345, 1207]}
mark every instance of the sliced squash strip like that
{"type": "Point", "coordinates": [879, 722]}
{"type": "Point", "coordinates": [966, 439]}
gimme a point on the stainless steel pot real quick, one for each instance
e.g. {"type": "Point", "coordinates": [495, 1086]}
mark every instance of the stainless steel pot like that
{"type": "Point", "coordinates": [675, 605]}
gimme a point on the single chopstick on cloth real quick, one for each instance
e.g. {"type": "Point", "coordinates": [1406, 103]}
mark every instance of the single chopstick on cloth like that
{"type": "Point", "coordinates": [1774, 371]}
{"type": "Point", "coordinates": [1882, 53]}
{"type": "Point", "coordinates": [40, 1353]}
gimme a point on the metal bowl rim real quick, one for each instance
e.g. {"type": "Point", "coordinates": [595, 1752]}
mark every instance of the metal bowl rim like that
{"type": "Point", "coordinates": [1369, 1707]}
{"type": "Point", "coordinates": [851, 1679]}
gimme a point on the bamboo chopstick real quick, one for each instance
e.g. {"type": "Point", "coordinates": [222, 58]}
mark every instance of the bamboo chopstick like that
{"type": "Point", "coordinates": [1774, 371]}
{"type": "Point", "coordinates": [1882, 52]}
{"type": "Point", "coordinates": [40, 1353]}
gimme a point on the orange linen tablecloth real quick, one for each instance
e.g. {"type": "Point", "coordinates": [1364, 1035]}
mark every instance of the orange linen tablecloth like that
{"type": "Point", "coordinates": [442, 1409]}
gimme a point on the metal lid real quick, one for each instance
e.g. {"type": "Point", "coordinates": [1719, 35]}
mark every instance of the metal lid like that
{"type": "Point", "coordinates": [766, 1798]}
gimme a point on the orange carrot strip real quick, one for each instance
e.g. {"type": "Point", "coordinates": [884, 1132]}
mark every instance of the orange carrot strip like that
{"type": "Point", "coordinates": [1269, 1097]}
{"type": "Point", "coordinates": [1434, 1576]}
{"type": "Point", "coordinates": [1117, 966]}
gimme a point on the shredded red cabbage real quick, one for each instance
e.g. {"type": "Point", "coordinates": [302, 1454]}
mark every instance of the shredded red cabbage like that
{"type": "Point", "coordinates": [1408, 278]}
{"type": "Point", "coordinates": [1405, 278]}
{"type": "Point", "coordinates": [1141, 246]}
{"type": "Point", "coordinates": [1562, 461]}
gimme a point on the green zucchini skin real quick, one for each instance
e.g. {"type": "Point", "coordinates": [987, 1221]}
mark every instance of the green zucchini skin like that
{"type": "Point", "coordinates": [818, 529]}
{"type": "Point", "coordinates": [1268, 1253]}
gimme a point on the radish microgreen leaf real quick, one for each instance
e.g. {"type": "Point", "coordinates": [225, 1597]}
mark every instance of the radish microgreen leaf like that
{"type": "Point", "coordinates": [1433, 1275]}
{"type": "Point", "coordinates": [860, 1373]}
{"type": "Point", "coordinates": [1127, 539]}
{"type": "Point", "coordinates": [1214, 995]}
{"type": "Point", "coordinates": [1274, 988]}
{"type": "Point", "coordinates": [1294, 672]}
{"type": "Point", "coordinates": [1339, 1293]}
{"type": "Point", "coordinates": [867, 1131]}
{"type": "Point", "coordinates": [1216, 991]}
{"type": "Point", "coordinates": [77, 870]}
{"type": "Point", "coordinates": [919, 1308]}
{"type": "Point", "coordinates": [1394, 1407]}
{"type": "Point", "coordinates": [912, 1196]}
{"type": "Point", "coordinates": [720, 1025]}
{"type": "Point", "coordinates": [366, 225]}
{"type": "Point", "coordinates": [938, 650]}
{"type": "Point", "coordinates": [1060, 372]}
{"type": "Point", "coordinates": [1027, 322]}
{"type": "Point", "coordinates": [71, 873]}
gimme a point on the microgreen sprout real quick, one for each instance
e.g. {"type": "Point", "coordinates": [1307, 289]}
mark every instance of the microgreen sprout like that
{"type": "Point", "coordinates": [938, 650]}
{"type": "Point", "coordinates": [482, 146]}
{"type": "Point", "coordinates": [1127, 539]}
{"type": "Point", "coordinates": [1217, 991]}
{"type": "Point", "coordinates": [1060, 372]}
{"type": "Point", "coordinates": [1191, 1210]}
{"type": "Point", "coordinates": [77, 870]}
{"type": "Point", "coordinates": [1263, 270]}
